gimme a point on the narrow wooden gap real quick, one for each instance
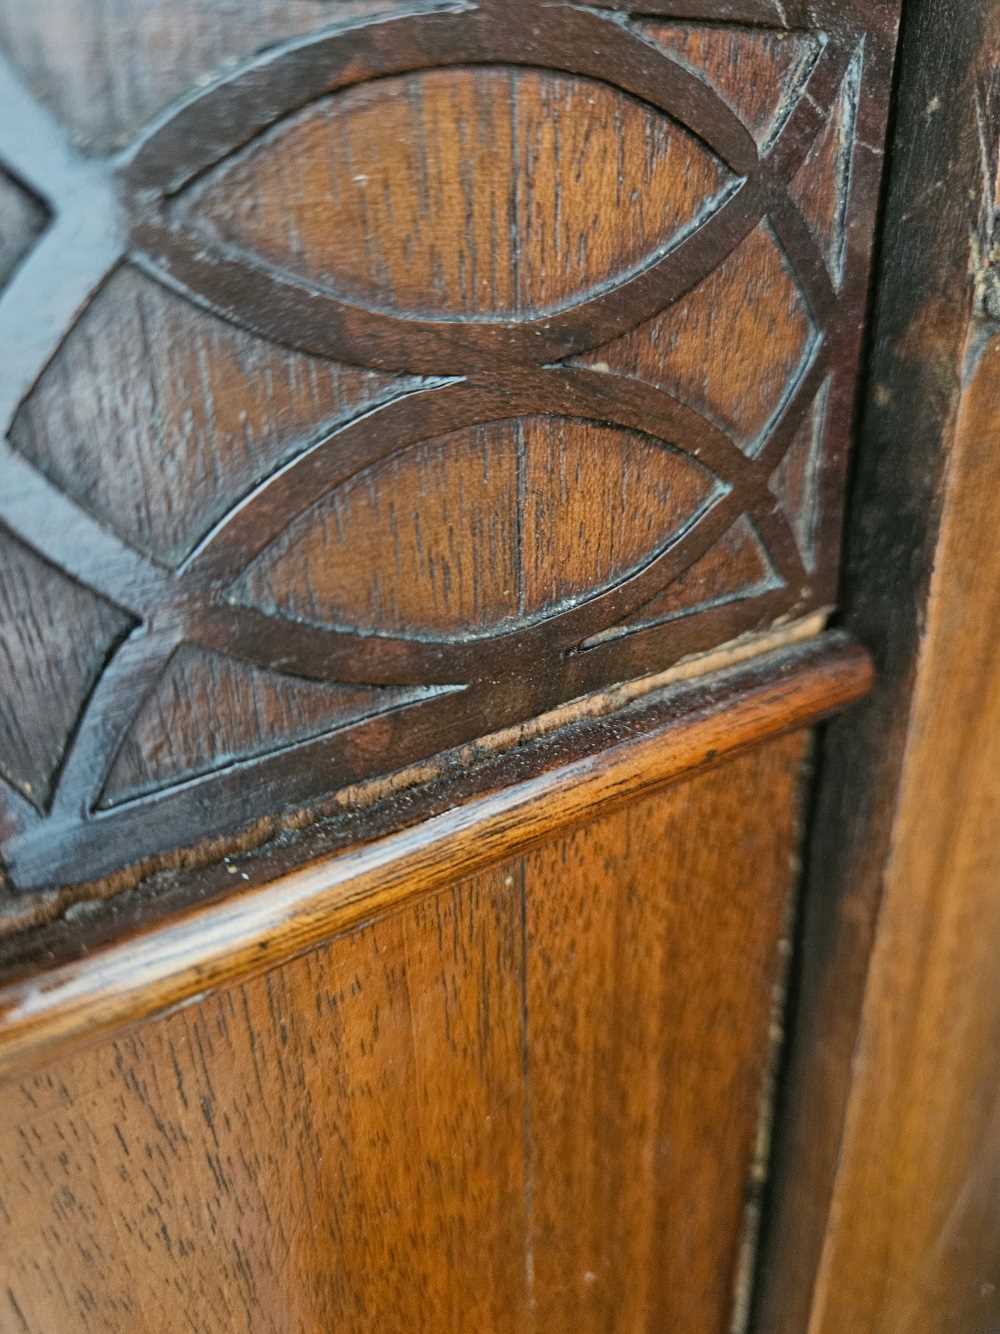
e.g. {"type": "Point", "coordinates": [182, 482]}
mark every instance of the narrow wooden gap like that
{"type": "Point", "coordinates": [755, 1315]}
{"type": "Point", "coordinates": [745, 1276]}
{"type": "Point", "coordinates": [520, 878]}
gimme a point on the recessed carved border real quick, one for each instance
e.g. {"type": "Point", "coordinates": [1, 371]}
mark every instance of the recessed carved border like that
{"type": "Point", "coordinates": [127, 208]}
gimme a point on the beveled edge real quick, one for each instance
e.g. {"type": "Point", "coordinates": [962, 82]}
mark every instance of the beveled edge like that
{"type": "Point", "coordinates": [564, 778]}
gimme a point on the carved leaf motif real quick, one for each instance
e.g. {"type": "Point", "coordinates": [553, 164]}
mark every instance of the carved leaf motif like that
{"type": "Point", "coordinates": [478, 192]}
{"type": "Point", "coordinates": [486, 527]}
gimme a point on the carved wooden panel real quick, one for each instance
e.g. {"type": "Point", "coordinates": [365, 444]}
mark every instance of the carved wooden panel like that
{"type": "Point", "coordinates": [428, 368]}
{"type": "Point", "coordinates": [499, 1110]}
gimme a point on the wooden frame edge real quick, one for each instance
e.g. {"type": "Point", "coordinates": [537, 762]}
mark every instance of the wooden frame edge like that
{"type": "Point", "coordinates": [931, 301]}
{"type": "Point", "coordinates": [672, 734]}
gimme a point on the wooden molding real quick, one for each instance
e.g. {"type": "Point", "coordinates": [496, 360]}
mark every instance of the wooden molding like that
{"type": "Point", "coordinates": [578, 772]}
{"type": "Point", "coordinates": [498, 494]}
{"type": "Point", "coordinates": [883, 1188]}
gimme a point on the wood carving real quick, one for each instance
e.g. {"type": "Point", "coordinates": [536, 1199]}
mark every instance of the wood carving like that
{"type": "Point", "coordinates": [427, 370]}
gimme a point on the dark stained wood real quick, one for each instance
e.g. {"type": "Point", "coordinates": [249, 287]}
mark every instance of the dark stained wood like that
{"type": "Point", "coordinates": [884, 1199]}
{"type": "Point", "coordinates": [822, 184]}
{"type": "Point", "coordinates": [486, 1111]}
{"type": "Point", "coordinates": [922, 1131]}
{"type": "Point", "coordinates": [199, 413]}
{"type": "Point", "coordinates": [72, 53]}
{"type": "Point", "coordinates": [54, 640]}
{"type": "Point", "coordinates": [387, 391]}
{"type": "Point", "coordinates": [736, 567]}
{"type": "Point", "coordinates": [336, 1145]}
{"type": "Point", "coordinates": [597, 505]}
{"type": "Point", "coordinates": [294, 390]}
{"type": "Point", "coordinates": [758, 71]}
{"type": "Point", "coordinates": [731, 348]}
{"type": "Point", "coordinates": [566, 777]}
{"type": "Point", "coordinates": [504, 522]}
{"type": "Point", "coordinates": [22, 219]}
{"type": "Point", "coordinates": [252, 711]}
{"type": "Point", "coordinates": [465, 191]}
{"type": "Point", "coordinates": [797, 481]}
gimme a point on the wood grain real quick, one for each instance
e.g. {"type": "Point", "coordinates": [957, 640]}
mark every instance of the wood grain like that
{"type": "Point", "coordinates": [884, 1194]}
{"type": "Point", "coordinates": [823, 181]}
{"type": "Point", "coordinates": [493, 524]}
{"type": "Point", "coordinates": [106, 67]}
{"type": "Point", "coordinates": [464, 192]}
{"type": "Point", "coordinates": [730, 348]}
{"type": "Point", "coordinates": [54, 639]}
{"type": "Point", "coordinates": [61, 925]}
{"type": "Point", "coordinates": [354, 243]}
{"type": "Point", "coordinates": [922, 1134]}
{"type": "Point", "coordinates": [797, 482]}
{"type": "Point", "coordinates": [22, 219]}
{"type": "Point", "coordinates": [636, 1021]}
{"type": "Point", "coordinates": [252, 711]}
{"type": "Point", "coordinates": [572, 776]}
{"type": "Point", "coordinates": [757, 71]}
{"type": "Point", "coordinates": [736, 566]}
{"type": "Point", "coordinates": [199, 412]}
{"type": "Point", "coordinates": [477, 1113]}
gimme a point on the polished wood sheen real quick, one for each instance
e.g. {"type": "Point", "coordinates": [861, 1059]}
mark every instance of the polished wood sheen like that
{"type": "Point", "coordinates": [527, 1102]}
{"type": "Point", "coordinates": [424, 438]}
{"type": "Point", "coordinates": [379, 379]}
{"type": "Point", "coordinates": [568, 778]}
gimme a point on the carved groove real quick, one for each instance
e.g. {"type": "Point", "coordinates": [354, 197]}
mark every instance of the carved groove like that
{"type": "Point", "coordinates": [751, 312]}
{"type": "Point", "coordinates": [796, 481]}
{"type": "Point", "coordinates": [442, 153]}
{"type": "Point", "coordinates": [366, 500]}
{"type": "Point", "coordinates": [504, 522]}
{"type": "Point", "coordinates": [822, 186]}
{"type": "Point", "coordinates": [758, 72]}
{"type": "Point", "coordinates": [199, 412]}
{"type": "Point", "coordinates": [252, 712]}
{"type": "Point", "coordinates": [737, 567]}
{"type": "Point", "coordinates": [22, 221]}
{"type": "Point", "coordinates": [54, 639]}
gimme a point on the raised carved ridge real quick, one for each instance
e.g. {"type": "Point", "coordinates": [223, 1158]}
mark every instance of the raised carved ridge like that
{"type": "Point", "coordinates": [296, 409]}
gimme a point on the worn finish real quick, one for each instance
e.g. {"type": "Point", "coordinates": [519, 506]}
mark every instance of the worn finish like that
{"type": "Point", "coordinates": [922, 1135]}
{"type": "Point", "coordinates": [490, 175]}
{"type": "Point", "coordinates": [295, 407]}
{"type": "Point", "coordinates": [563, 778]}
{"type": "Point", "coordinates": [885, 1191]}
{"type": "Point", "coordinates": [497, 1109]}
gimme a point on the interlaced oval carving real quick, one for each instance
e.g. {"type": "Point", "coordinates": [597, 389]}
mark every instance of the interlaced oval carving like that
{"type": "Point", "coordinates": [322, 195]}
{"type": "Point", "coordinates": [497, 352]}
